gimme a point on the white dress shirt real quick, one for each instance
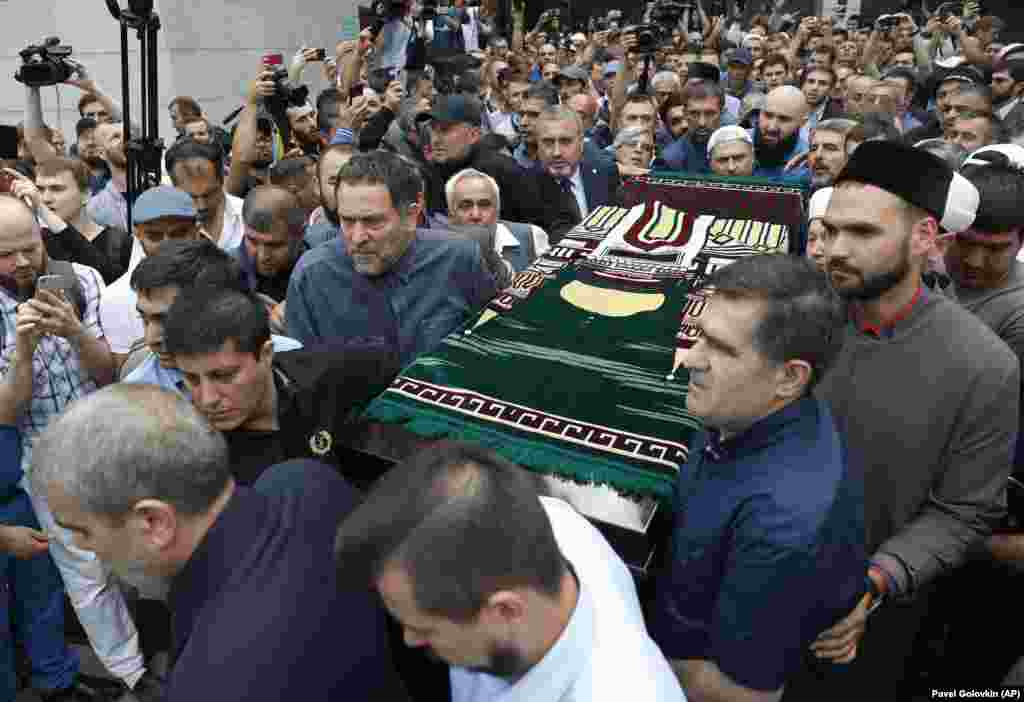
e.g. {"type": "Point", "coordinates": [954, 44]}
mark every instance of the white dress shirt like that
{"type": "Point", "coordinates": [234, 227]}
{"type": "Point", "coordinates": [580, 191]}
{"type": "Point", "coordinates": [505, 239]}
{"type": "Point", "coordinates": [604, 653]}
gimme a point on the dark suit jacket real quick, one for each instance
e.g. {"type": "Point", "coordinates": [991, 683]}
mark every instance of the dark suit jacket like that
{"type": "Point", "coordinates": [600, 181]}
{"type": "Point", "coordinates": [1014, 122]}
{"type": "Point", "coordinates": [523, 198]}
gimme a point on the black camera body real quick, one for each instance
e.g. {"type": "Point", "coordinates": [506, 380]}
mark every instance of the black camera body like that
{"type": "Point", "coordinates": [668, 14]}
{"type": "Point", "coordinates": [44, 64]}
{"type": "Point", "coordinates": [648, 37]}
{"type": "Point", "coordinates": [888, 23]}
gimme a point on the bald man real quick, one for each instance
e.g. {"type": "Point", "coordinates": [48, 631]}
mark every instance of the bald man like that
{"type": "Point", "coordinates": [595, 131]}
{"type": "Point", "coordinates": [273, 241]}
{"type": "Point", "coordinates": [777, 136]}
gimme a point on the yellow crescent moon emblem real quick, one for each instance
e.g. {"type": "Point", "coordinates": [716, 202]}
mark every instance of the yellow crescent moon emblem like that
{"type": "Point", "coordinates": [321, 442]}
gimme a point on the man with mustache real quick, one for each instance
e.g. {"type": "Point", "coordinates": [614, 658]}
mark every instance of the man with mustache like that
{"type": "Point", "coordinates": [323, 223]}
{"type": "Point", "coordinates": [109, 208]}
{"type": "Point", "coordinates": [731, 152]}
{"type": "Point", "coordinates": [517, 592]}
{"type": "Point", "coordinates": [54, 352]}
{"type": "Point", "coordinates": [591, 182]}
{"type": "Point", "coordinates": [704, 104]}
{"type": "Point", "coordinates": [760, 558]}
{"type": "Point", "coordinates": [198, 169]}
{"type": "Point", "coordinates": [922, 520]}
{"type": "Point", "coordinates": [827, 154]}
{"type": "Point", "coordinates": [385, 283]}
{"type": "Point", "coordinates": [145, 484]}
{"type": "Point", "coordinates": [777, 135]}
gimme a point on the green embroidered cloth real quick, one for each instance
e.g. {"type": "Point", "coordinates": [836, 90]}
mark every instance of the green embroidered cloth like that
{"type": "Point", "coordinates": [572, 369]}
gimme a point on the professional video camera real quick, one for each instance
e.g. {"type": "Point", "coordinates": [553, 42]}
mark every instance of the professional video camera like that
{"type": "Point", "coordinates": [44, 64]}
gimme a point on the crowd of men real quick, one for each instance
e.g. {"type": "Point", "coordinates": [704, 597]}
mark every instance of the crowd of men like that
{"type": "Point", "coordinates": [176, 397]}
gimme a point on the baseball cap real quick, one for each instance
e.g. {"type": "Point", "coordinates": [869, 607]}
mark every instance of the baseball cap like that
{"type": "Point", "coordinates": [163, 201]}
{"type": "Point", "coordinates": [455, 108]}
{"type": "Point", "coordinates": [742, 56]}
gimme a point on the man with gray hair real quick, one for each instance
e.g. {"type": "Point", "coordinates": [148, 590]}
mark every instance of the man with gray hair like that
{"type": "Point", "coordinates": [142, 481]}
{"type": "Point", "coordinates": [634, 150]}
{"type": "Point", "coordinates": [590, 182]}
{"type": "Point", "coordinates": [474, 198]}
{"type": "Point", "coordinates": [731, 152]}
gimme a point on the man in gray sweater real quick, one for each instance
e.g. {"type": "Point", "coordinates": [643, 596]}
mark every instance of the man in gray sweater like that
{"type": "Point", "coordinates": [927, 398]}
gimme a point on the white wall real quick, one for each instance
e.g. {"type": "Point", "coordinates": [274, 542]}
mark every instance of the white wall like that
{"type": "Point", "coordinates": [209, 49]}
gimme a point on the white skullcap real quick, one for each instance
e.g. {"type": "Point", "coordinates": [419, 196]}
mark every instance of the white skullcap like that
{"type": "Point", "coordinates": [819, 204]}
{"type": "Point", "coordinates": [727, 134]}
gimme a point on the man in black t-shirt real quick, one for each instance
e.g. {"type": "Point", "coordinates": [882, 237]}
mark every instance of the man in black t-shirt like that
{"type": "Point", "coordinates": [59, 196]}
{"type": "Point", "coordinates": [270, 407]}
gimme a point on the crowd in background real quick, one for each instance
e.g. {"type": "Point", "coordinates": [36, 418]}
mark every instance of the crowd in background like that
{"type": "Point", "coordinates": [847, 526]}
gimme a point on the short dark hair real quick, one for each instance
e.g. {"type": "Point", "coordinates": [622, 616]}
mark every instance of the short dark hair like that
{"type": "Point", "coordinates": [775, 60]}
{"type": "Point", "coordinates": [402, 179]}
{"type": "Point", "coordinates": [462, 522]}
{"type": "Point", "coordinates": [187, 107]}
{"type": "Point", "coordinates": [58, 164]}
{"type": "Point", "coordinates": [829, 49]}
{"type": "Point", "coordinates": [85, 124]}
{"type": "Point", "coordinates": [187, 264]}
{"type": "Point", "coordinates": [873, 127]}
{"type": "Point", "coordinates": [290, 169]}
{"type": "Point", "coordinates": [189, 149]}
{"type": "Point", "coordinates": [982, 91]}
{"type": "Point", "coordinates": [806, 73]}
{"type": "Point", "coordinates": [327, 109]}
{"type": "Point", "coordinates": [803, 312]}
{"type": "Point", "coordinates": [86, 99]}
{"type": "Point", "coordinates": [542, 90]}
{"type": "Point", "coordinates": [203, 319]}
{"type": "Point", "coordinates": [266, 204]}
{"type": "Point", "coordinates": [702, 90]}
{"type": "Point", "coordinates": [1001, 187]}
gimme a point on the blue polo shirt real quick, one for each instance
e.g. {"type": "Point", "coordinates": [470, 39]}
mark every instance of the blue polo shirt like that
{"type": "Point", "coordinates": [768, 547]}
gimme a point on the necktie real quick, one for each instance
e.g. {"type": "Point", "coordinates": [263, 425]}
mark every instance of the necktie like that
{"type": "Point", "coordinates": [566, 185]}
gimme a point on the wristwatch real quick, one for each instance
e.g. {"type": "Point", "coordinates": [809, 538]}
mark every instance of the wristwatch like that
{"type": "Point", "coordinates": [877, 596]}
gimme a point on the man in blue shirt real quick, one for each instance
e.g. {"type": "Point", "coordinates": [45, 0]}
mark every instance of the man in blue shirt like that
{"type": "Point", "coordinates": [769, 538]}
{"type": "Point", "coordinates": [385, 283]}
{"type": "Point", "coordinates": [704, 105]}
{"type": "Point", "coordinates": [177, 266]}
{"type": "Point", "coordinates": [777, 137]}
{"type": "Point", "coordinates": [256, 609]}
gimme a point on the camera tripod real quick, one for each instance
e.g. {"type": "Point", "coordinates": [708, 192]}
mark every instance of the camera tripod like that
{"type": "Point", "coordinates": [144, 151]}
